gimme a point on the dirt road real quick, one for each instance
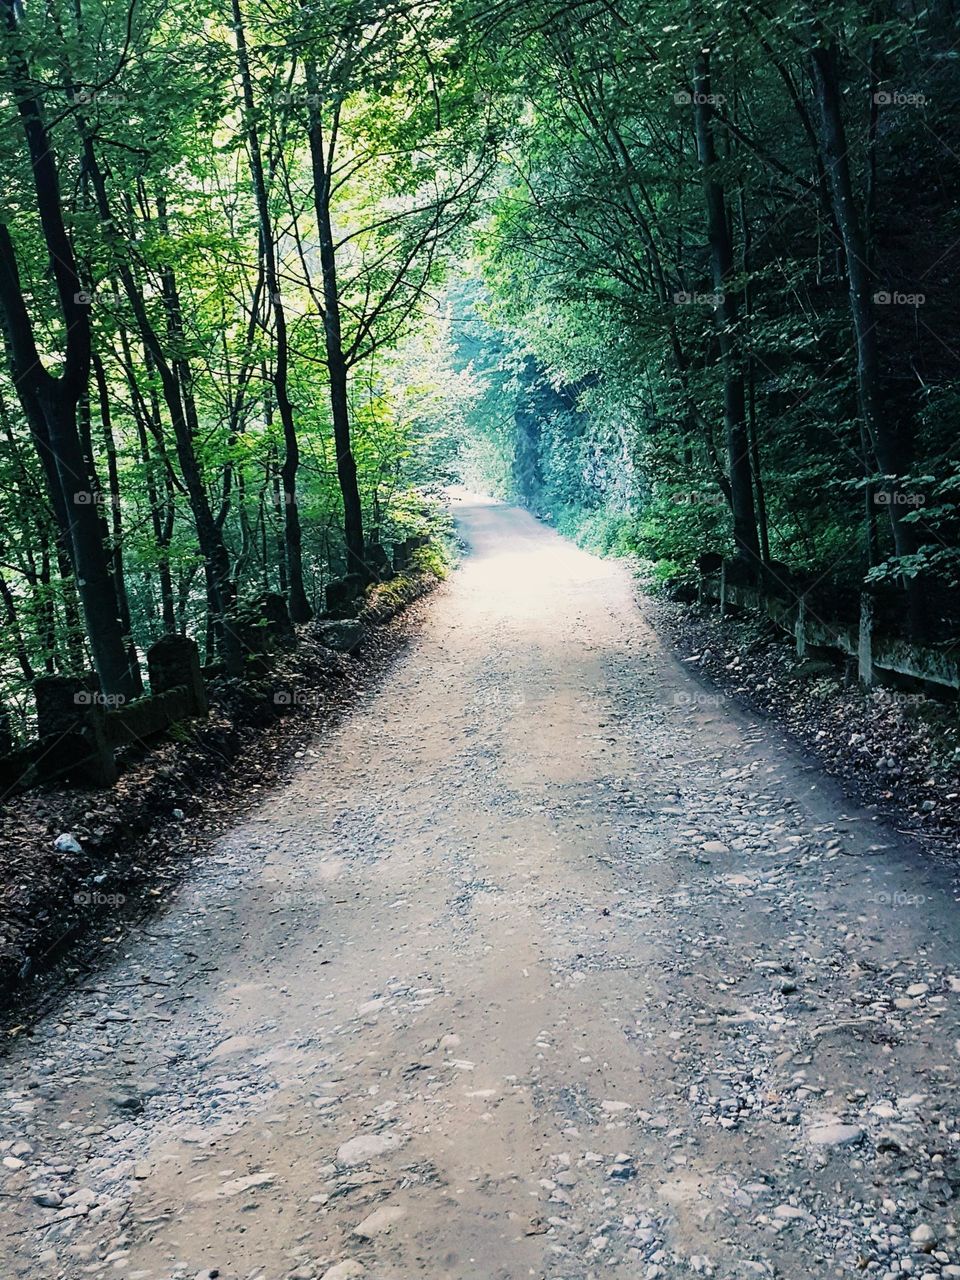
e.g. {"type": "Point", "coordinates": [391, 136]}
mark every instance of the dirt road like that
{"type": "Point", "coordinates": [548, 963]}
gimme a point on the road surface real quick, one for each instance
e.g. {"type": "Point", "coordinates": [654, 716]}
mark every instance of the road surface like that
{"type": "Point", "coordinates": [549, 962]}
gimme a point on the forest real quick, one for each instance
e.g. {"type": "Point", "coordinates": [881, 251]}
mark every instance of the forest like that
{"type": "Point", "coordinates": [682, 282]}
{"type": "Point", "coordinates": [479, 639]}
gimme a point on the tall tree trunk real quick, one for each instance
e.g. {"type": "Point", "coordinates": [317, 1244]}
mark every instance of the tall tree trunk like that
{"type": "Point", "coordinates": [51, 403]}
{"type": "Point", "coordinates": [300, 610]}
{"type": "Point", "coordinates": [725, 314]}
{"type": "Point", "coordinates": [72, 621]}
{"type": "Point", "coordinates": [46, 611]}
{"type": "Point", "coordinates": [176, 386]}
{"type": "Point", "coordinates": [892, 447]}
{"type": "Point", "coordinates": [763, 525]}
{"type": "Point", "coordinates": [146, 413]}
{"type": "Point", "coordinates": [333, 333]}
{"type": "Point", "coordinates": [176, 379]}
{"type": "Point", "coordinates": [276, 497]}
{"type": "Point", "coordinates": [13, 624]}
{"type": "Point", "coordinates": [115, 508]}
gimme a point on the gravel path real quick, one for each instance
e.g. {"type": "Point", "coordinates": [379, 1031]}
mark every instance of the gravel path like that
{"type": "Point", "coordinates": [545, 965]}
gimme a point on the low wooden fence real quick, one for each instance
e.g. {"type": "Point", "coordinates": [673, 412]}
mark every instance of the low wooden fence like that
{"type": "Point", "coordinates": [862, 642]}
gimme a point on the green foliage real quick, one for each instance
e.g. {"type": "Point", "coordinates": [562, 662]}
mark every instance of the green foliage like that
{"type": "Point", "coordinates": [519, 288]}
{"type": "Point", "coordinates": [152, 100]}
{"type": "Point", "coordinates": [597, 272]}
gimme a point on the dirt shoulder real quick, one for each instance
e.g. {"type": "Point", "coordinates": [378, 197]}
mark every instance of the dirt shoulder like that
{"type": "Point", "coordinates": [123, 850]}
{"type": "Point", "coordinates": [894, 749]}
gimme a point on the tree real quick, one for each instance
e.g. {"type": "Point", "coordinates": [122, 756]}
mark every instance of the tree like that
{"type": "Point", "coordinates": [300, 610]}
{"type": "Point", "coordinates": [50, 402]}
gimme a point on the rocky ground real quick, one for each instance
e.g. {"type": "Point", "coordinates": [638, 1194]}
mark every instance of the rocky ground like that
{"type": "Point", "coordinates": [74, 858]}
{"type": "Point", "coordinates": [896, 747]}
{"type": "Point", "coordinates": [547, 962]}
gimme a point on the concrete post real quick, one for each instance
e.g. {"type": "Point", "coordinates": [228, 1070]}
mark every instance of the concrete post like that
{"type": "Point", "coordinates": [279, 627]}
{"type": "Point", "coordinates": [174, 662]}
{"type": "Point", "coordinates": [865, 641]}
{"type": "Point", "coordinates": [401, 557]}
{"type": "Point", "coordinates": [71, 711]}
{"type": "Point", "coordinates": [61, 702]}
{"type": "Point", "coordinates": [800, 627]}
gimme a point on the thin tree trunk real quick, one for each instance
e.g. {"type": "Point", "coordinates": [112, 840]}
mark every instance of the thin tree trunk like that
{"type": "Point", "coordinates": [72, 620]}
{"type": "Point", "coordinates": [276, 492]}
{"type": "Point", "coordinates": [892, 450]}
{"type": "Point", "coordinates": [333, 333]}
{"type": "Point", "coordinates": [13, 624]}
{"type": "Point", "coordinates": [300, 610]}
{"type": "Point", "coordinates": [46, 611]}
{"type": "Point", "coordinates": [763, 527]}
{"type": "Point", "coordinates": [116, 514]}
{"type": "Point", "coordinates": [146, 414]}
{"type": "Point", "coordinates": [177, 381]}
{"type": "Point", "coordinates": [51, 403]}
{"type": "Point", "coordinates": [176, 385]}
{"type": "Point", "coordinates": [725, 313]}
